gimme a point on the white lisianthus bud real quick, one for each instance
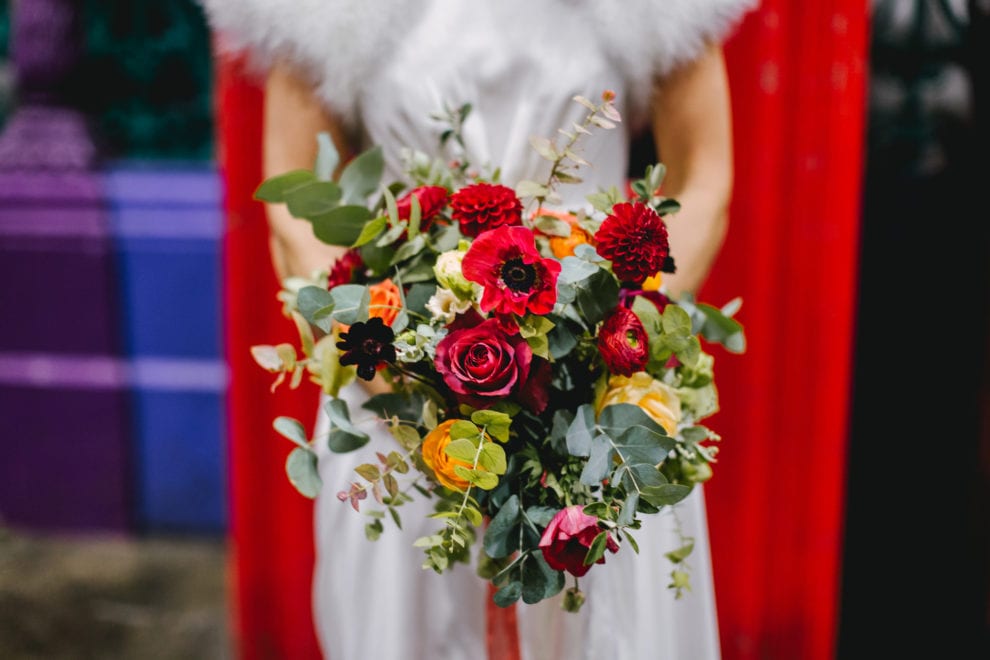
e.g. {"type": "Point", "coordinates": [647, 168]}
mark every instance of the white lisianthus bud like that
{"type": "Point", "coordinates": [449, 275]}
{"type": "Point", "coordinates": [444, 305]}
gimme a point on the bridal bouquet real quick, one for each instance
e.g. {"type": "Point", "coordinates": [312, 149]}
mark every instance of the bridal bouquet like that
{"type": "Point", "coordinates": [543, 390]}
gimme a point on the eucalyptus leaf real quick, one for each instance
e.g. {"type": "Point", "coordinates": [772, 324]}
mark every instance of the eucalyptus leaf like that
{"type": "Point", "coordinates": [315, 304]}
{"type": "Point", "coordinates": [579, 433]}
{"type": "Point", "coordinates": [370, 231]}
{"type": "Point", "coordinates": [362, 175]}
{"type": "Point", "coordinates": [597, 549]}
{"type": "Point", "coordinates": [293, 430]}
{"type": "Point", "coordinates": [599, 463]}
{"type": "Point", "coordinates": [502, 537]}
{"type": "Point", "coordinates": [539, 580]}
{"type": "Point", "coordinates": [312, 199]}
{"type": "Point", "coordinates": [327, 157]}
{"type": "Point", "coordinates": [350, 303]}
{"type": "Point", "coordinates": [342, 226]}
{"type": "Point", "coordinates": [492, 458]}
{"type": "Point", "coordinates": [300, 466]}
{"type": "Point", "coordinates": [344, 436]}
{"type": "Point", "coordinates": [508, 594]}
{"type": "Point", "coordinates": [274, 189]}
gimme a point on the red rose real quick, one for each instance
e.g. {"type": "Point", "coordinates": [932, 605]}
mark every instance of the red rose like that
{"type": "Point", "coordinates": [622, 342]}
{"type": "Point", "coordinates": [482, 364]}
{"type": "Point", "coordinates": [432, 200]}
{"type": "Point", "coordinates": [483, 206]}
{"type": "Point", "coordinates": [515, 277]}
{"type": "Point", "coordinates": [566, 540]}
{"type": "Point", "coordinates": [634, 238]}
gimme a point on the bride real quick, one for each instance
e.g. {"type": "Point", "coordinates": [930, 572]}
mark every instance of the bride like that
{"type": "Point", "coordinates": [374, 73]}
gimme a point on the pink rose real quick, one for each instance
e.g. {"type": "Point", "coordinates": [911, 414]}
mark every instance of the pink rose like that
{"type": "Point", "coordinates": [566, 540]}
{"type": "Point", "coordinates": [623, 343]}
{"type": "Point", "coordinates": [482, 364]}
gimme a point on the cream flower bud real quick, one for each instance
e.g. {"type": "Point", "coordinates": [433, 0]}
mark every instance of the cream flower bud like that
{"type": "Point", "coordinates": [449, 275]}
{"type": "Point", "coordinates": [444, 305]}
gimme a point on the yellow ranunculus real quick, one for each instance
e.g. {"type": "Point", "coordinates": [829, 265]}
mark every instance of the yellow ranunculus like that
{"type": "Point", "coordinates": [653, 282]}
{"type": "Point", "coordinates": [436, 458]}
{"type": "Point", "coordinates": [658, 400]}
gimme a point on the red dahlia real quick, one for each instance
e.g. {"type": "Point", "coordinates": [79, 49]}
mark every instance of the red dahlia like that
{"type": "Point", "coordinates": [483, 206]}
{"type": "Point", "coordinates": [634, 239]}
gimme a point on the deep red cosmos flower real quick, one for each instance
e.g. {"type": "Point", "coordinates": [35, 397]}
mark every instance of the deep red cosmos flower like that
{"type": "Point", "coordinates": [432, 200]}
{"type": "Point", "coordinates": [566, 540]}
{"type": "Point", "coordinates": [634, 238]}
{"type": "Point", "coordinates": [516, 279]}
{"type": "Point", "coordinates": [483, 206]}
{"type": "Point", "coordinates": [622, 342]}
{"type": "Point", "coordinates": [346, 270]}
{"type": "Point", "coordinates": [367, 344]}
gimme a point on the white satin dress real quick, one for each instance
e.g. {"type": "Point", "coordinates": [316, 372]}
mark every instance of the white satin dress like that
{"type": "Point", "coordinates": [518, 63]}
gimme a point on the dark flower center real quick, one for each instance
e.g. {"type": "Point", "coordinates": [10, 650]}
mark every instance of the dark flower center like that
{"type": "Point", "coordinates": [517, 275]}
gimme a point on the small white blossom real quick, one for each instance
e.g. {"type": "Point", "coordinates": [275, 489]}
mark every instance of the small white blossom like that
{"type": "Point", "coordinates": [445, 305]}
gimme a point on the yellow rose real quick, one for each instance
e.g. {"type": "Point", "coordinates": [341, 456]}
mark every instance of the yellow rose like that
{"type": "Point", "coordinates": [658, 400]}
{"type": "Point", "coordinates": [436, 458]}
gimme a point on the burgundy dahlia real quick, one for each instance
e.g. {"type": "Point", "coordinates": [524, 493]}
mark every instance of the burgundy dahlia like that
{"type": "Point", "coordinates": [634, 238]}
{"type": "Point", "coordinates": [483, 206]}
{"type": "Point", "coordinates": [622, 342]}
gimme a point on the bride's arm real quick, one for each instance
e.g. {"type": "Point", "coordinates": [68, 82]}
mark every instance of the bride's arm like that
{"type": "Point", "coordinates": [692, 130]}
{"type": "Point", "coordinates": [292, 119]}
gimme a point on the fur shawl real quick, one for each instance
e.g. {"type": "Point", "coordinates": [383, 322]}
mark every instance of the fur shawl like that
{"type": "Point", "coordinates": [340, 42]}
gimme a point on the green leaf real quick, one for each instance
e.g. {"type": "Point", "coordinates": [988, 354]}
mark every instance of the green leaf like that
{"type": "Point", "coordinates": [508, 594]}
{"type": "Point", "coordinates": [370, 231]}
{"type": "Point", "coordinates": [301, 468]}
{"type": "Point", "coordinates": [463, 449]}
{"type": "Point", "coordinates": [327, 157]}
{"type": "Point", "coordinates": [293, 430]}
{"type": "Point", "coordinates": [273, 190]}
{"type": "Point", "coordinates": [539, 580]}
{"type": "Point", "coordinates": [597, 549]}
{"type": "Point", "coordinates": [465, 429]}
{"type": "Point", "coordinates": [681, 553]}
{"type": "Point", "coordinates": [720, 328]}
{"type": "Point", "coordinates": [312, 199]}
{"type": "Point", "coordinates": [597, 295]}
{"type": "Point", "coordinates": [676, 321]}
{"type": "Point", "coordinates": [551, 226]}
{"type": "Point", "coordinates": [492, 458]}
{"type": "Point", "coordinates": [342, 226]}
{"type": "Point", "coordinates": [579, 433]}
{"type": "Point", "coordinates": [344, 437]}
{"type": "Point", "coordinates": [496, 423]}
{"type": "Point", "coordinates": [315, 304]}
{"type": "Point", "coordinates": [362, 175]}
{"type": "Point", "coordinates": [502, 538]}
{"type": "Point", "coordinates": [635, 434]}
{"type": "Point", "coordinates": [480, 478]}
{"type": "Point", "coordinates": [350, 303]}
{"type": "Point", "coordinates": [409, 249]}
{"type": "Point", "coordinates": [599, 462]}
{"type": "Point", "coordinates": [528, 188]}
{"type": "Point", "coordinates": [666, 494]}
{"type": "Point", "coordinates": [373, 530]}
{"type": "Point", "coordinates": [369, 471]}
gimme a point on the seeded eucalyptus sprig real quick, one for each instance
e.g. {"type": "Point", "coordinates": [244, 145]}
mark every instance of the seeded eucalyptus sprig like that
{"type": "Point", "coordinates": [564, 158]}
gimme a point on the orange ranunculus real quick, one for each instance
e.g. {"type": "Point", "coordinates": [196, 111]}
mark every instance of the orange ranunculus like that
{"type": "Point", "coordinates": [436, 458]}
{"type": "Point", "coordinates": [385, 301]}
{"type": "Point", "coordinates": [563, 246]}
{"type": "Point", "coordinates": [658, 400]}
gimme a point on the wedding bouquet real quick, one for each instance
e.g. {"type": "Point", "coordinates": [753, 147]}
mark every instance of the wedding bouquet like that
{"type": "Point", "coordinates": [543, 389]}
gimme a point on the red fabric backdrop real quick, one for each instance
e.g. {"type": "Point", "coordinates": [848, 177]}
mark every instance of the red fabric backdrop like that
{"type": "Point", "coordinates": [797, 72]}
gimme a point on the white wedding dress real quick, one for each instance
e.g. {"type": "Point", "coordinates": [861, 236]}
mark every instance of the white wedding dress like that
{"type": "Point", "coordinates": [385, 67]}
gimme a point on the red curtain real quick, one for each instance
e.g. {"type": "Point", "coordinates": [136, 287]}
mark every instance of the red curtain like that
{"type": "Point", "coordinates": [798, 75]}
{"type": "Point", "coordinates": [797, 71]}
